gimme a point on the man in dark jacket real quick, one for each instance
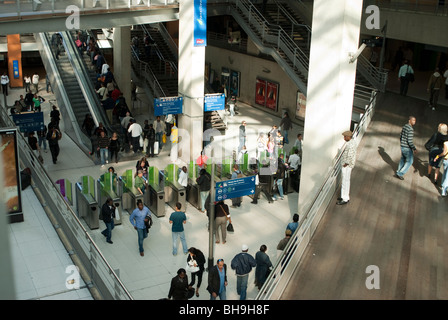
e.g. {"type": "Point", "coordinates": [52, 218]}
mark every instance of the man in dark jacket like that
{"type": "Point", "coordinates": [108, 214]}
{"type": "Point", "coordinates": [204, 182]}
{"type": "Point", "coordinates": [242, 263]}
{"type": "Point", "coordinates": [217, 280]}
{"type": "Point", "coordinates": [151, 136]}
{"type": "Point", "coordinates": [179, 286]}
{"type": "Point", "coordinates": [53, 137]}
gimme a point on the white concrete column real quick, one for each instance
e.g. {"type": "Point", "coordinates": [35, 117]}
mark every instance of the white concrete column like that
{"type": "Point", "coordinates": [122, 61]}
{"type": "Point", "coordinates": [191, 81]}
{"type": "Point", "coordinates": [331, 80]}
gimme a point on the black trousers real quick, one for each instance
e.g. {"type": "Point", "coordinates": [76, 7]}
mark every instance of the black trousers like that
{"type": "Point", "coordinates": [113, 152]}
{"type": "Point", "coordinates": [54, 149]}
{"type": "Point", "coordinates": [262, 188]}
{"type": "Point", "coordinates": [150, 148]}
{"type": "Point", "coordinates": [5, 89]}
{"type": "Point", "coordinates": [404, 84]}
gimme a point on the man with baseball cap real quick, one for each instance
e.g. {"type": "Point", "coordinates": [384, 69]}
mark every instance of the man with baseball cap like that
{"type": "Point", "coordinates": [347, 162]}
{"type": "Point", "coordinates": [242, 263]}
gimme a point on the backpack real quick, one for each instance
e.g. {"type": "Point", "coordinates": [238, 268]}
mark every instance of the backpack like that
{"type": "Point", "coordinates": [148, 222]}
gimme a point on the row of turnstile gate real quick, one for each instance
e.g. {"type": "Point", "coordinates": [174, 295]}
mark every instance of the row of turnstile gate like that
{"type": "Point", "coordinates": [162, 188]}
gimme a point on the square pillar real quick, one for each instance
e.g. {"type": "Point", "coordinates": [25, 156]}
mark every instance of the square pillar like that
{"type": "Point", "coordinates": [331, 81]}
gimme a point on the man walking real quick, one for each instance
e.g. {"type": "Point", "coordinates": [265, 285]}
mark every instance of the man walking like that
{"type": "Point", "coordinates": [177, 220]}
{"type": "Point", "coordinates": [103, 148]}
{"type": "Point", "coordinates": [347, 162]}
{"type": "Point", "coordinates": [435, 84]}
{"type": "Point", "coordinates": [108, 215]}
{"type": "Point", "coordinates": [137, 219]}
{"type": "Point", "coordinates": [158, 127]}
{"type": "Point", "coordinates": [136, 132]}
{"type": "Point", "coordinates": [5, 83]}
{"type": "Point", "coordinates": [53, 137]}
{"type": "Point", "coordinates": [217, 280]}
{"type": "Point", "coordinates": [404, 78]}
{"type": "Point", "coordinates": [407, 148]}
{"type": "Point", "coordinates": [242, 136]}
{"type": "Point", "coordinates": [242, 263]}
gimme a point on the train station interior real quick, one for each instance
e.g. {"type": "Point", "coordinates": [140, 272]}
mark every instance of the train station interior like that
{"type": "Point", "coordinates": [328, 67]}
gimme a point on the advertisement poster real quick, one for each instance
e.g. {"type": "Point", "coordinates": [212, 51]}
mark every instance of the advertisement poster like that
{"type": "Point", "coordinates": [200, 23]}
{"type": "Point", "coordinates": [300, 105]}
{"type": "Point", "coordinates": [10, 190]}
{"type": "Point", "coordinates": [235, 83]}
{"type": "Point", "coordinates": [260, 92]}
{"type": "Point", "coordinates": [272, 95]}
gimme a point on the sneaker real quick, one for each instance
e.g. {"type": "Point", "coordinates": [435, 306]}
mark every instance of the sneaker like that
{"type": "Point", "coordinates": [102, 165]}
{"type": "Point", "coordinates": [433, 108]}
{"type": "Point", "coordinates": [107, 161]}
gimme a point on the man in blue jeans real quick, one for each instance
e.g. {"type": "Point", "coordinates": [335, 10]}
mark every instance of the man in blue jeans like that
{"type": "Point", "coordinates": [177, 220]}
{"type": "Point", "coordinates": [242, 263]}
{"type": "Point", "coordinates": [137, 219]}
{"type": "Point", "coordinates": [407, 148]}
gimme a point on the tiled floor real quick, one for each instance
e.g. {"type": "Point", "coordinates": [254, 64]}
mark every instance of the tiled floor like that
{"type": "Point", "coordinates": [40, 260]}
{"type": "Point", "coordinates": [145, 277]}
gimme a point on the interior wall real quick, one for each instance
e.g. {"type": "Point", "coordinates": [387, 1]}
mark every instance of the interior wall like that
{"type": "Point", "coordinates": [252, 68]}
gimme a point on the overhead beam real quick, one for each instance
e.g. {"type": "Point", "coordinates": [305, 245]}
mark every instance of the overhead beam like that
{"type": "Point", "coordinates": [107, 19]}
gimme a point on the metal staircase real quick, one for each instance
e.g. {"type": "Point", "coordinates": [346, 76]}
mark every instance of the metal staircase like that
{"type": "Point", "coordinates": [159, 72]}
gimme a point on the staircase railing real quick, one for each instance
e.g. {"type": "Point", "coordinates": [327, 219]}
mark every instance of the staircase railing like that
{"type": "Point", "coordinates": [374, 75]}
{"type": "Point", "coordinates": [296, 26]}
{"type": "Point", "coordinates": [273, 36]}
{"type": "Point", "coordinates": [169, 67]}
{"type": "Point", "coordinates": [169, 40]}
{"type": "Point", "coordinates": [143, 70]}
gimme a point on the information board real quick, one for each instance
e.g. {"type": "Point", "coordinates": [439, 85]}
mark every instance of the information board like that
{"type": "Point", "coordinates": [168, 105]}
{"type": "Point", "coordinates": [234, 188]}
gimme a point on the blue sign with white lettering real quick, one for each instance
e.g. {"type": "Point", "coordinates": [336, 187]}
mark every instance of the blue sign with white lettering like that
{"type": "Point", "coordinates": [214, 102]}
{"type": "Point", "coordinates": [29, 121]}
{"type": "Point", "coordinates": [234, 188]}
{"type": "Point", "coordinates": [200, 23]}
{"type": "Point", "coordinates": [164, 106]}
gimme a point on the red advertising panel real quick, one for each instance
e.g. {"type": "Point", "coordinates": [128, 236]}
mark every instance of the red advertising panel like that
{"type": "Point", "coordinates": [10, 171]}
{"type": "Point", "coordinates": [260, 92]}
{"type": "Point", "coordinates": [272, 95]}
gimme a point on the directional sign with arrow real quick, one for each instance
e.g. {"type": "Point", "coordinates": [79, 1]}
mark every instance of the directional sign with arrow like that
{"type": "Point", "coordinates": [234, 188]}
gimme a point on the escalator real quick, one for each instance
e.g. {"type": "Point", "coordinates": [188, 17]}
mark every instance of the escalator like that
{"type": "Point", "coordinates": [72, 88]}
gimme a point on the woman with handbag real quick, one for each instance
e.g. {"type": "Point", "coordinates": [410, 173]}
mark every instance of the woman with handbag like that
{"type": "Point", "coordinates": [435, 146]}
{"type": "Point", "coordinates": [222, 214]}
{"type": "Point", "coordinates": [195, 263]}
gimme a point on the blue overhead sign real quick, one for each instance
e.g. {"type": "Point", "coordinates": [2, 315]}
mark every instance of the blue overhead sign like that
{"type": "Point", "coordinates": [214, 102]}
{"type": "Point", "coordinates": [234, 188]}
{"type": "Point", "coordinates": [200, 23]}
{"type": "Point", "coordinates": [29, 121]}
{"type": "Point", "coordinates": [170, 105]}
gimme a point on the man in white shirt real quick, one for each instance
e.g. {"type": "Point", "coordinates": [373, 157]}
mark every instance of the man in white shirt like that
{"type": "Point", "coordinates": [5, 83]}
{"type": "Point", "coordinates": [158, 127]}
{"type": "Point", "coordinates": [294, 164]}
{"type": "Point", "coordinates": [183, 181]}
{"type": "Point", "coordinates": [136, 132]}
{"type": "Point", "coordinates": [35, 82]}
{"type": "Point", "coordinates": [347, 163]}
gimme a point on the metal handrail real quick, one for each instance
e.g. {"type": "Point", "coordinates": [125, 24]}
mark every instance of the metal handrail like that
{"type": "Point", "coordinates": [173, 64]}
{"type": "Point", "coordinates": [166, 35]}
{"type": "Point", "coordinates": [150, 78]}
{"type": "Point", "coordinates": [58, 201]}
{"type": "Point", "coordinates": [295, 243]}
{"type": "Point", "coordinates": [274, 35]}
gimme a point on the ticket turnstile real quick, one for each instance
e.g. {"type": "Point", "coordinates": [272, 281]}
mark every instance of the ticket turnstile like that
{"type": "Point", "coordinates": [86, 205]}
